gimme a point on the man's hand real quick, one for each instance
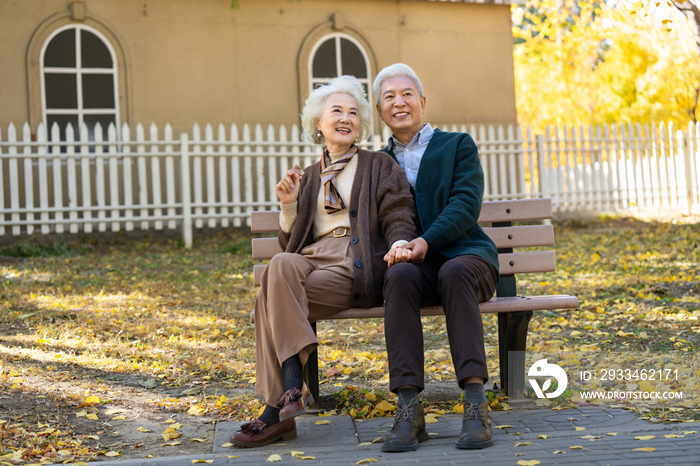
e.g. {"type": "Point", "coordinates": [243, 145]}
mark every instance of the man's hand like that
{"type": "Point", "coordinates": [288, 187]}
{"type": "Point", "coordinates": [419, 248]}
{"type": "Point", "coordinates": [398, 254]}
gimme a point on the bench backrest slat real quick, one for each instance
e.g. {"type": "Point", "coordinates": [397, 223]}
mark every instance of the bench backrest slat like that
{"type": "Point", "coordinates": [504, 237]}
{"type": "Point", "coordinates": [520, 210]}
{"type": "Point", "coordinates": [493, 212]}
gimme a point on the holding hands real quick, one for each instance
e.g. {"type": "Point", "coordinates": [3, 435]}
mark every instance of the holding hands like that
{"type": "Point", "coordinates": [415, 251]}
{"type": "Point", "coordinates": [288, 187]}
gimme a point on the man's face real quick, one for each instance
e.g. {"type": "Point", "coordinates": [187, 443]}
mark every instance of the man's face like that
{"type": "Point", "coordinates": [400, 105]}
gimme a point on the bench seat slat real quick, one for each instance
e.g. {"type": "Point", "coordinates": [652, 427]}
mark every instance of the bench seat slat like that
{"type": "Point", "coordinates": [267, 221]}
{"type": "Point", "coordinates": [504, 237]}
{"type": "Point", "coordinates": [494, 306]}
{"type": "Point", "coordinates": [523, 262]}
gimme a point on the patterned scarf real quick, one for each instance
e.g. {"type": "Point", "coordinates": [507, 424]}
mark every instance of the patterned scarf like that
{"type": "Point", "coordinates": [333, 201]}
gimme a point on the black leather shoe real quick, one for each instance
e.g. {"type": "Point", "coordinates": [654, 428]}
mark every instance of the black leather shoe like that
{"type": "Point", "coordinates": [476, 427]}
{"type": "Point", "coordinates": [408, 429]}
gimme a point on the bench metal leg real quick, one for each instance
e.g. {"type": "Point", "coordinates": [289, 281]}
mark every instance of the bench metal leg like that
{"type": "Point", "coordinates": [512, 339]}
{"type": "Point", "coordinates": [310, 372]}
{"type": "Point", "coordinates": [512, 342]}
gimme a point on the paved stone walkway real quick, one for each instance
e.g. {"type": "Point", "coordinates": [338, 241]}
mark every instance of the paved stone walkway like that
{"type": "Point", "coordinates": [339, 442]}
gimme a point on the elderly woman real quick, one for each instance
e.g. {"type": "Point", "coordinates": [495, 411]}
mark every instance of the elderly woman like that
{"type": "Point", "coordinates": [338, 218]}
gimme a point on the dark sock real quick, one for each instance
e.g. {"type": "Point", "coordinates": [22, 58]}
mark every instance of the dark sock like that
{"type": "Point", "coordinates": [291, 372]}
{"type": "Point", "coordinates": [407, 396]}
{"type": "Point", "coordinates": [474, 392]}
{"type": "Point", "coordinates": [270, 416]}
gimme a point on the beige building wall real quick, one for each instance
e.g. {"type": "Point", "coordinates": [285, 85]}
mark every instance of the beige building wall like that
{"type": "Point", "coordinates": [186, 61]}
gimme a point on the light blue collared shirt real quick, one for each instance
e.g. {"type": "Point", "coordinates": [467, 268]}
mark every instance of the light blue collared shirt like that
{"type": "Point", "coordinates": [409, 156]}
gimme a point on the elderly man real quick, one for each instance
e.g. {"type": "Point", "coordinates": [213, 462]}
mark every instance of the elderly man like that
{"type": "Point", "coordinates": [453, 262]}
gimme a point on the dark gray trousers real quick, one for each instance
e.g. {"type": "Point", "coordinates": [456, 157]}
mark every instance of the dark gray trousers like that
{"type": "Point", "coordinates": [459, 284]}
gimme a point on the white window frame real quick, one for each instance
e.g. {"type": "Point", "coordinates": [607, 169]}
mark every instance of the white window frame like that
{"type": "Point", "coordinates": [339, 62]}
{"type": "Point", "coordinates": [78, 71]}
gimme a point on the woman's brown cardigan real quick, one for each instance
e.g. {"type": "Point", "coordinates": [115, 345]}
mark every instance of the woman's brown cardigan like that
{"type": "Point", "coordinates": [381, 212]}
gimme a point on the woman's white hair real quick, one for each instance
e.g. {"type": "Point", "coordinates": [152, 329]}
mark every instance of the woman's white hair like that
{"type": "Point", "coordinates": [316, 103]}
{"type": "Point", "coordinates": [391, 71]}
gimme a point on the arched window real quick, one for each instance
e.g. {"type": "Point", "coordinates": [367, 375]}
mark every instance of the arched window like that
{"type": "Point", "coordinates": [338, 54]}
{"type": "Point", "coordinates": [79, 79]}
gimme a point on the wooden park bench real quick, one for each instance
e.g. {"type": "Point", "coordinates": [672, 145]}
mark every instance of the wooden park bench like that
{"type": "Point", "coordinates": [514, 311]}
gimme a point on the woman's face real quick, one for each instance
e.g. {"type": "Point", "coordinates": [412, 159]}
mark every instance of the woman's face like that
{"type": "Point", "coordinates": [339, 122]}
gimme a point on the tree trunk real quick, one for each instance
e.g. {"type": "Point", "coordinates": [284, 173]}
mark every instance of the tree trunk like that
{"type": "Point", "coordinates": [691, 11]}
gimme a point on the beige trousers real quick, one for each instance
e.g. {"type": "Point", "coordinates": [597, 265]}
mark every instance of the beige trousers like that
{"type": "Point", "coordinates": [296, 290]}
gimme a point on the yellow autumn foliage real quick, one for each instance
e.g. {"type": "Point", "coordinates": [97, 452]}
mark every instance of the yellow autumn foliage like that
{"type": "Point", "coordinates": [579, 62]}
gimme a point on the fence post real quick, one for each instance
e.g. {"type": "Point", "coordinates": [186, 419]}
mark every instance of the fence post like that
{"type": "Point", "coordinates": [185, 191]}
{"type": "Point", "coordinates": [688, 168]}
{"type": "Point", "coordinates": [541, 178]}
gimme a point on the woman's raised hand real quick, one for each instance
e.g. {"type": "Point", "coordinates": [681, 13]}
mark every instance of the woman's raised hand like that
{"type": "Point", "coordinates": [288, 187]}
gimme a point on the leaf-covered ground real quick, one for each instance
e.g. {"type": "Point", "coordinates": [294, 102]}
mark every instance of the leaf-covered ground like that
{"type": "Point", "coordinates": [116, 346]}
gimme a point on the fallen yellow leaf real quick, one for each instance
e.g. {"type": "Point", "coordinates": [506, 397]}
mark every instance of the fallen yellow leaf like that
{"type": "Point", "coordinates": [528, 463]}
{"type": "Point", "coordinates": [612, 434]}
{"type": "Point", "coordinates": [523, 444]}
{"type": "Point", "coordinates": [149, 456]}
{"type": "Point", "coordinates": [502, 427]}
{"type": "Point", "coordinates": [92, 400]}
{"type": "Point", "coordinates": [142, 429]}
{"type": "Point", "coordinates": [274, 458]}
{"type": "Point", "coordinates": [113, 411]}
{"type": "Point", "coordinates": [297, 453]}
{"type": "Point", "coordinates": [690, 432]}
{"type": "Point", "coordinates": [543, 437]}
{"type": "Point", "coordinates": [365, 444]}
{"type": "Point", "coordinates": [202, 461]}
{"type": "Point", "coordinates": [198, 440]}
{"type": "Point", "coordinates": [367, 461]}
{"type": "Point", "coordinates": [170, 421]}
{"type": "Point", "coordinates": [385, 406]}
{"type": "Point", "coordinates": [673, 436]}
{"type": "Point", "coordinates": [323, 422]}
{"type": "Point", "coordinates": [371, 396]}
{"type": "Point", "coordinates": [118, 418]}
{"type": "Point", "coordinates": [645, 449]}
{"type": "Point", "coordinates": [94, 437]}
{"type": "Point", "coordinates": [576, 447]}
{"type": "Point", "coordinates": [226, 445]}
{"type": "Point", "coordinates": [306, 457]}
{"type": "Point", "coordinates": [92, 416]}
{"type": "Point", "coordinates": [82, 413]}
{"type": "Point", "coordinates": [231, 456]}
{"type": "Point", "coordinates": [171, 444]}
{"type": "Point", "coordinates": [578, 429]}
{"type": "Point", "coordinates": [645, 437]}
{"type": "Point", "coordinates": [196, 410]}
{"type": "Point", "coordinates": [557, 452]}
{"type": "Point", "coordinates": [112, 453]}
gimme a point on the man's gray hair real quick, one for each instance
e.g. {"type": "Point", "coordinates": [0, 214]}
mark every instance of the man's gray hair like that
{"type": "Point", "coordinates": [316, 103]}
{"type": "Point", "coordinates": [391, 71]}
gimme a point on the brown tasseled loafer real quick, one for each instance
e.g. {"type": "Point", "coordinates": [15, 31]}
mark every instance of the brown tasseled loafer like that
{"type": "Point", "coordinates": [293, 404]}
{"type": "Point", "coordinates": [257, 434]}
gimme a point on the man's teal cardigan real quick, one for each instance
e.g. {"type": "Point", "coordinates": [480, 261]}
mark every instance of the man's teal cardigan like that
{"type": "Point", "coordinates": [449, 192]}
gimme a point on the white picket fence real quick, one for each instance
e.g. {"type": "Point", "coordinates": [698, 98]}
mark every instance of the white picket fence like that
{"type": "Point", "coordinates": [156, 180]}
